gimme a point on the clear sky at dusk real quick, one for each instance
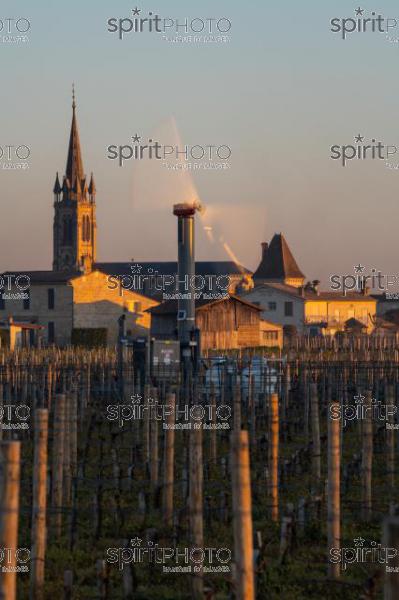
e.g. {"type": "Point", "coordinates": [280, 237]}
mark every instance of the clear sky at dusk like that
{"type": "Point", "coordinates": [280, 93]}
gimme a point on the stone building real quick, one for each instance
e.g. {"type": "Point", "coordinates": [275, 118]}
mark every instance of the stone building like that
{"type": "Point", "coordinates": [64, 301]}
{"type": "Point", "coordinates": [75, 294]}
{"type": "Point", "coordinates": [281, 294]}
{"type": "Point", "coordinates": [78, 293]}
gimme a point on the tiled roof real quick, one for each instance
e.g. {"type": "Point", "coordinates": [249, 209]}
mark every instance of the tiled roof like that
{"type": "Point", "coordinates": [305, 294]}
{"type": "Point", "coordinates": [170, 306]}
{"type": "Point", "coordinates": [277, 261]}
{"type": "Point", "coordinates": [218, 267]}
{"type": "Point", "coordinates": [47, 276]}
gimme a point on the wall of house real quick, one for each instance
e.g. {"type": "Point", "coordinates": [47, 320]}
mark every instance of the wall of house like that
{"type": "Point", "coordinates": [249, 336]}
{"type": "Point", "coordinates": [264, 295]}
{"type": "Point", "coordinates": [271, 334]}
{"type": "Point", "coordinates": [220, 340]}
{"type": "Point", "coordinates": [40, 313]}
{"type": "Point", "coordinates": [226, 316]}
{"type": "Point", "coordinates": [338, 312]}
{"type": "Point", "coordinates": [97, 305]}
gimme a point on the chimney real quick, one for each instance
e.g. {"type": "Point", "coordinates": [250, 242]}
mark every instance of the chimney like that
{"type": "Point", "coordinates": [301, 291]}
{"type": "Point", "coordinates": [186, 270]}
{"type": "Point", "coordinates": [265, 246]}
{"type": "Point", "coordinates": [315, 284]}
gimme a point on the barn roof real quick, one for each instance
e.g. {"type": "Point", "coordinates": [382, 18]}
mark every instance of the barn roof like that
{"type": "Point", "coordinates": [309, 294]}
{"type": "Point", "coordinates": [170, 306]}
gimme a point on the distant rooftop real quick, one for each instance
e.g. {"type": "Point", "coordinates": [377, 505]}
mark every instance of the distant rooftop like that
{"type": "Point", "coordinates": [170, 307]}
{"type": "Point", "coordinates": [277, 261]}
{"type": "Point", "coordinates": [46, 276]}
{"type": "Point", "coordinates": [308, 294]}
{"type": "Point", "coordinates": [211, 267]}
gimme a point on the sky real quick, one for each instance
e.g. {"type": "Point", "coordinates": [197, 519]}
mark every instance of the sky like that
{"type": "Point", "coordinates": [279, 94]}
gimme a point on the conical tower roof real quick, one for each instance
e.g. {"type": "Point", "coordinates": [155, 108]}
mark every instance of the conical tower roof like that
{"type": "Point", "coordinates": [278, 262]}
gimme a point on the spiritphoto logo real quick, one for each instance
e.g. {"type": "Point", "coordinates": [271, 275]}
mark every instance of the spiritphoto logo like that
{"type": "Point", "coordinates": [360, 411]}
{"type": "Point", "coordinates": [172, 559]}
{"type": "Point", "coordinates": [173, 287]}
{"type": "Point", "coordinates": [172, 157]}
{"type": "Point", "coordinates": [197, 30]}
{"type": "Point", "coordinates": [14, 416]}
{"type": "Point", "coordinates": [184, 417]}
{"type": "Point", "coordinates": [361, 282]}
{"type": "Point", "coordinates": [365, 22]}
{"type": "Point", "coordinates": [14, 157]}
{"type": "Point", "coordinates": [363, 150]}
{"type": "Point", "coordinates": [363, 552]}
{"type": "Point", "coordinates": [14, 287]}
{"type": "Point", "coordinates": [13, 30]}
{"type": "Point", "coordinates": [14, 560]}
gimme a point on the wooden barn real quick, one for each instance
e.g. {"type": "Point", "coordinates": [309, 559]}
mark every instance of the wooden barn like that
{"type": "Point", "coordinates": [227, 323]}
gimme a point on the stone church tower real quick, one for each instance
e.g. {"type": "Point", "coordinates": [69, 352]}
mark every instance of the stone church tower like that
{"type": "Point", "coordinates": [74, 229]}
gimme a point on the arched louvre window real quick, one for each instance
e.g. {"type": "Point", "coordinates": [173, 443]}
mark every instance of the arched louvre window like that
{"type": "Point", "coordinates": [65, 230]}
{"type": "Point", "coordinates": [70, 230]}
{"type": "Point", "coordinates": [88, 236]}
{"type": "Point", "coordinates": [85, 228]}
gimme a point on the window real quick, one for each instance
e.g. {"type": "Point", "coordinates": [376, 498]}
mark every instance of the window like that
{"type": "Point", "coordinates": [86, 234]}
{"type": "Point", "coordinates": [70, 231]}
{"type": "Point", "coordinates": [270, 335]}
{"type": "Point", "coordinates": [51, 332]}
{"type": "Point", "coordinates": [64, 230]}
{"type": "Point", "coordinates": [67, 231]}
{"type": "Point", "coordinates": [272, 305]}
{"type": "Point", "coordinates": [50, 299]}
{"type": "Point", "coordinates": [288, 309]}
{"type": "Point", "coordinates": [26, 301]}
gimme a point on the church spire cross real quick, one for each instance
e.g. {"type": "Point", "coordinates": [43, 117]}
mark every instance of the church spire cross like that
{"type": "Point", "coordinates": [74, 167]}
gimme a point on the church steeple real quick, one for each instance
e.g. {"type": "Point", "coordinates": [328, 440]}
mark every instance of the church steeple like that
{"type": "Point", "coordinates": [74, 167]}
{"type": "Point", "coordinates": [75, 229]}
